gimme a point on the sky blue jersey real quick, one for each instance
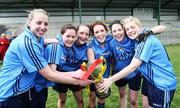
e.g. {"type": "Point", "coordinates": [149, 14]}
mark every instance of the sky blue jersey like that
{"type": "Point", "coordinates": [102, 51]}
{"type": "Point", "coordinates": [123, 53]}
{"type": "Point", "coordinates": [156, 66]}
{"type": "Point", "coordinates": [23, 60]}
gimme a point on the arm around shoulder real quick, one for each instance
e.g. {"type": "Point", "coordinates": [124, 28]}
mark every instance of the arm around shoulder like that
{"type": "Point", "coordinates": [158, 29]}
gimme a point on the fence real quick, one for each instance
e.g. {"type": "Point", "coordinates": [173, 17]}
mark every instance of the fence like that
{"type": "Point", "coordinates": [170, 36]}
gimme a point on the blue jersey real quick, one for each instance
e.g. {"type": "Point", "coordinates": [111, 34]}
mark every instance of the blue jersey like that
{"type": "Point", "coordinates": [22, 62]}
{"type": "Point", "coordinates": [156, 66]}
{"type": "Point", "coordinates": [66, 59]}
{"type": "Point", "coordinates": [102, 51]}
{"type": "Point", "coordinates": [123, 53]}
{"type": "Point", "coordinates": [63, 57]}
{"type": "Point", "coordinates": [80, 55]}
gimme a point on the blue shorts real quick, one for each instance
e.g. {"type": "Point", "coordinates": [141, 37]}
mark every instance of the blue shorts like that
{"type": "Point", "coordinates": [159, 98]}
{"type": "Point", "coordinates": [92, 87]}
{"type": "Point", "coordinates": [29, 99]}
{"type": "Point", "coordinates": [133, 83]}
{"type": "Point", "coordinates": [144, 89]}
{"type": "Point", "coordinates": [63, 88]}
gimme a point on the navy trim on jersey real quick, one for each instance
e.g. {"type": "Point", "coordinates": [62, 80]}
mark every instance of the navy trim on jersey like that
{"type": "Point", "coordinates": [16, 86]}
{"type": "Point", "coordinates": [166, 53]}
{"type": "Point", "coordinates": [31, 52]}
{"type": "Point", "coordinates": [156, 63]}
{"type": "Point", "coordinates": [139, 51]}
{"type": "Point", "coordinates": [149, 67]}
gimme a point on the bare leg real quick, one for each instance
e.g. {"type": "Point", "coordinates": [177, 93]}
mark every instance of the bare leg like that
{"type": "Point", "coordinates": [62, 100]}
{"type": "Point", "coordinates": [92, 100]}
{"type": "Point", "coordinates": [79, 98]}
{"type": "Point", "coordinates": [123, 97]}
{"type": "Point", "coordinates": [145, 103]}
{"type": "Point", "coordinates": [133, 98]}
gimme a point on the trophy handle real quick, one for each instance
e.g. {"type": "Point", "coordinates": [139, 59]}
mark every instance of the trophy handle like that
{"type": "Point", "coordinates": [103, 95]}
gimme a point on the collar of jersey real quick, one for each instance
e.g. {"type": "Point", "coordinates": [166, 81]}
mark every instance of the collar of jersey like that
{"type": "Point", "coordinates": [30, 35]}
{"type": "Point", "coordinates": [108, 38]}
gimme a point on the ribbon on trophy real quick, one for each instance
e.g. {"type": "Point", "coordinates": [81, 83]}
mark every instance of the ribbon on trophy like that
{"type": "Point", "coordinates": [95, 72]}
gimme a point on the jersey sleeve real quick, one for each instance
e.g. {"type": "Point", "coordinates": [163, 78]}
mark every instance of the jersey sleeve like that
{"type": "Point", "coordinates": [144, 50]}
{"type": "Point", "coordinates": [53, 53]}
{"type": "Point", "coordinates": [32, 56]}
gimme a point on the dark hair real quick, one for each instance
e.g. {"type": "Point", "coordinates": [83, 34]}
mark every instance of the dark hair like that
{"type": "Point", "coordinates": [86, 25]}
{"type": "Point", "coordinates": [98, 23]}
{"type": "Point", "coordinates": [67, 26]}
{"type": "Point", "coordinates": [115, 22]}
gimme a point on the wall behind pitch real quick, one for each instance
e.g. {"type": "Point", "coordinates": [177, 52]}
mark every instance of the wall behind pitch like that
{"type": "Point", "coordinates": [143, 13]}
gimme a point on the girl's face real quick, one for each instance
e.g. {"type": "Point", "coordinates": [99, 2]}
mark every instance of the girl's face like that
{"type": "Point", "coordinates": [100, 33]}
{"type": "Point", "coordinates": [83, 35]}
{"type": "Point", "coordinates": [69, 37]}
{"type": "Point", "coordinates": [118, 32]}
{"type": "Point", "coordinates": [132, 30]}
{"type": "Point", "coordinates": [39, 24]}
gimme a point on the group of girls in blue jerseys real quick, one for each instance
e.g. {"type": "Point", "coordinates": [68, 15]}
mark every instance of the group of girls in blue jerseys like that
{"type": "Point", "coordinates": [30, 66]}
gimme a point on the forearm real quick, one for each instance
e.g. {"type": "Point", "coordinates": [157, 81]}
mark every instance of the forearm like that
{"type": "Point", "coordinates": [58, 77]}
{"type": "Point", "coordinates": [63, 77]}
{"type": "Point", "coordinates": [158, 29]}
{"type": "Point", "coordinates": [123, 73]}
{"type": "Point", "coordinates": [69, 74]}
{"type": "Point", "coordinates": [135, 63]}
{"type": "Point", "coordinates": [154, 30]}
{"type": "Point", "coordinates": [90, 55]}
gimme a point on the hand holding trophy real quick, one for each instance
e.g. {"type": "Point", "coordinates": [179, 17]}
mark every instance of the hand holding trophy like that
{"type": "Point", "coordinates": [95, 72]}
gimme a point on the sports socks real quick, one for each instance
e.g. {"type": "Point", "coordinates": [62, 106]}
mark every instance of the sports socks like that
{"type": "Point", "coordinates": [101, 105]}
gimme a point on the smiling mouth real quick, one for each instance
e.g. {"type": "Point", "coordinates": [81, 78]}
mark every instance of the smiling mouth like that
{"type": "Point", "coordinates": [118, 35]}
{"type": "Point", "coordinates": [101, 38]}
{"type": "Point", "coordinates": [41, 31]}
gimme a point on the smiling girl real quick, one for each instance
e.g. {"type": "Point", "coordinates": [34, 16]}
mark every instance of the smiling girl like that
{"type": "Point", "coordinates": [153, 62]}
{"type": "Point", "coordinates": [122, 49]}
{"type": "Point", "coordinates": [23, 61]}
{"type": "Point", "coordinates": [99, 47]}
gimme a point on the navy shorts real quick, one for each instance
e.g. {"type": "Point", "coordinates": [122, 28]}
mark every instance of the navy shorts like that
{"type": "Point", "coordinates": [29, 99]}
{"type": "Point", "coordinates": [92, 87]}
{"type": "Point", "coordinates": [159, 98]}
{"type": "Point", "coordinates": [63, 88]}
{"type": "Point", "coordinates": [144, 89]}
{"type": "Point", "coordinates": [133, 83]}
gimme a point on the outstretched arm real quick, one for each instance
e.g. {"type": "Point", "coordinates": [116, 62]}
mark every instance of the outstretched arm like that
{"type": "Point", "coordinates": [74, 74]}
{"type": "Point", "coordinates": [135, 63]}
{"type": "Point", "coordinates": [61, 77]}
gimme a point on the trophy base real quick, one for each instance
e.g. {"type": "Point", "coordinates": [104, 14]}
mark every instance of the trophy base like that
{"type": "Point", "coordinates": [103, 94]}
